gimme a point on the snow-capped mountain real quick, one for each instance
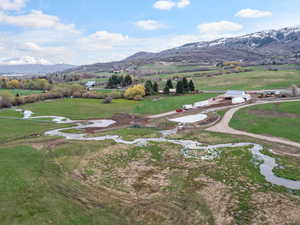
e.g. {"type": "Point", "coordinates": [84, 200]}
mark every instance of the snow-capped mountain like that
{"type": "Point", "coordinates": [254, 40]}
{"type": "Point", "coordinates": [265, 47]}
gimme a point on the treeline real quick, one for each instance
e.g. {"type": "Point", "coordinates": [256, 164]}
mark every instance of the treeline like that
{"type": "Point", "coordinates": [34, 84]}
{"type": "Point", "coordinates": [7, 99]}
{"type": "Point", "coordinates": [183, 86]}
{"type": "Point", "coordinates": [69, 77]}
{"type": "Point", "coordinates": [119, 81]}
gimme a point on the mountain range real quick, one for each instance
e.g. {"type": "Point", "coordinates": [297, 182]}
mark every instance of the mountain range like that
{"type": "Point", "coordinates": [32, 69]}
{"type": "Point", "coordinates": [265, 47]}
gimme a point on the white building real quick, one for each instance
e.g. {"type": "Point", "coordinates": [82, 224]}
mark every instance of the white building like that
{"type": "Point", "coordinates": [90, 84]}
{"type": "Point", "coordinates": [237, 97]}
{"type": "Point", "coordinates": [202, 104]}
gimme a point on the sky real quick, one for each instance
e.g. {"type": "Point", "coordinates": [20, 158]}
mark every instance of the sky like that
{"type": "Point", "coordinates": [90, 31]}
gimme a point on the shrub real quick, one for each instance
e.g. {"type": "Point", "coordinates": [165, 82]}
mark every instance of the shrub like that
{"type": "Point", "coordinates": [14, 84]}
{"type": "Point", "coordinates": [6, 99]}
{"type": "Point", "coordinates": [77, 94]}
{"type": "Point", "coordinates": [107, 100]}
{"type": "Point", "coordinates": [135, 92]}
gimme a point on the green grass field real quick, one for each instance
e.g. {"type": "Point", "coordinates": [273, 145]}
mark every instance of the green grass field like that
{"type": "Point", "coordinates": [78, 109]}
{"type": "Point", "coordinates": [260, 78]}
{"type": "Point", "coordinates": [255, 80]}
{"type": "Point", "coordinates": [93, 108]}
{"type": "Point", "coordinates": [170, 68]}
{"type": "Point", "coordinates": [43, 186]}
{"type": "Point", "coordinates": [280, 120]}
{"type": "Point", "coordinates": [53, 181]}
{"type": "Point", "coordinates": [12, 127]}
{"type": "Point", "coordinates": [35, 190]}
{"type": "Point", "coordinates": [47, 182]}
{"type": "Point", "coordinates": [166, 104]}
{"type": "Point", "coordinates": [20, 91]}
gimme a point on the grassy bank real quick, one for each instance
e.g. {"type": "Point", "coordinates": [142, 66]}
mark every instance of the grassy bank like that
{"type": "Point", "coordinates": [280, 120]}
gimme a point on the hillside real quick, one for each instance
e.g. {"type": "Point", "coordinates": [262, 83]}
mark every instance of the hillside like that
{"type": "Point", "coordinates": [265, 47]}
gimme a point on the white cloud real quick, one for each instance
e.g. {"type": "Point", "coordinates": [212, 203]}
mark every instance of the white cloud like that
{"type": "Point", "coordinates": [253, 13]}
{"type": "Point", "coordinates": [149, 24]}
{"type": "Point", "coordinates": [180, 40]}
{"type": "Point", "coordinates": [164, 4]}
{"type": "Point", "coordinates": [25, 60]}
{"type": "Point", "coordinates": [169, 4]}
{"type": "Point", "coordinates": [30, 46]}
{"type": "Point", "coordinates": [13, 5]}
{"type": "Point", "coordinates": [221, 27]}
{"type": "Point", "coordinates": [102, 40]}
{"type": "Point", "coordinates": [183, 3]}
{"type": "Point", "coordinates": [37, 19]}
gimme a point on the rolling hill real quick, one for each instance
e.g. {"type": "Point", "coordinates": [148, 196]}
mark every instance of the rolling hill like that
{"type": "Point", "coordinates": [265, 47]}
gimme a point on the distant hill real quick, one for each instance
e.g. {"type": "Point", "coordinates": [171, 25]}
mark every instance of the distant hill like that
{"type": "Point", "coordinates": [265, 47]}
{"type": "Point", "coordinates": [33, 69]}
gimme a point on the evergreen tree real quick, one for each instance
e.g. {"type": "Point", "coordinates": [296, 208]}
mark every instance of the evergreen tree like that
{"type": "Point", "coordinates": [170, 84]}
{"type": "Point", "coordinates": [149, 88]}
{"type": "Point", "coordinates": [155, 87]}
{"type": "Point", "coordinates": [191, 86]}
{"type": "Point", "coordinates": [185, 84]}
{"type": "Point", "coordinates": [110, 83]}
{"type": "Point", "coordinates": [114, 81]}
{"type": "Point", "coordinates": [128, 80]}
{"type": "Point", "coordinates": [121, 81]}
{"type": "Point", "coordinates": [166, 90]}
{"type": "Point", "coordinates": [179, 87]}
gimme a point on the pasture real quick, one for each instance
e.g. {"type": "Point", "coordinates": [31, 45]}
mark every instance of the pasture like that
{"type": "Point", "coordinates": [79, 109]}
{"type": "Point", "coordinates": [279, 119]}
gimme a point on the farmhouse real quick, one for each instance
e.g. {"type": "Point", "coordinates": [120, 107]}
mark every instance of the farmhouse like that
{"type": "Point", "coordinates": [90, 84]}
{"type": "Point", "coordinates": [237, 96]}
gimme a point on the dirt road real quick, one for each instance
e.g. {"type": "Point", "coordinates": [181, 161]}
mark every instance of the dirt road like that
{"type": "Point", "coordinates": [223, 125]}
{"type": "Point", "coordinates": [157, 116]}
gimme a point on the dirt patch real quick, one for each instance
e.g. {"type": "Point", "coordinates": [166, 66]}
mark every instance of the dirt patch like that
{"type": "Point", "coordinates": [147, 180]}
{"type": "Point", "coordinates": [276, 209]}
{"type": "Point", "coordinates": [91, 159]}
{"type": "Point", "coordinates": [274, 114]}
{"type": "Point", "coordinates": [219, 200]}
{"type": "Point", "coordinates": [122, 121]}
{"type": "Point", "coordinates": [211, 118]}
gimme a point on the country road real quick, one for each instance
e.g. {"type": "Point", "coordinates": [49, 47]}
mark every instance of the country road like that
{"type": "Point", "coordinates": [223, 125]}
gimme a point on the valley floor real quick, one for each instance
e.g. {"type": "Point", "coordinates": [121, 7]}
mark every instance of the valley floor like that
{"type": "Point", "coordinates": [52, 180]}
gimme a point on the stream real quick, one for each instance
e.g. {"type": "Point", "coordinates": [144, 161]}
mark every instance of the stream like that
{"type": "Point", "coordinates": [190, 148]}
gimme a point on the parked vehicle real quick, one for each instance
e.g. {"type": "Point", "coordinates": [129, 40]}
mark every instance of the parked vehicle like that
{"type": "Point", "coordinates": [179, 110]}
{"type": "Point", "coordinates": [188, 107]}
